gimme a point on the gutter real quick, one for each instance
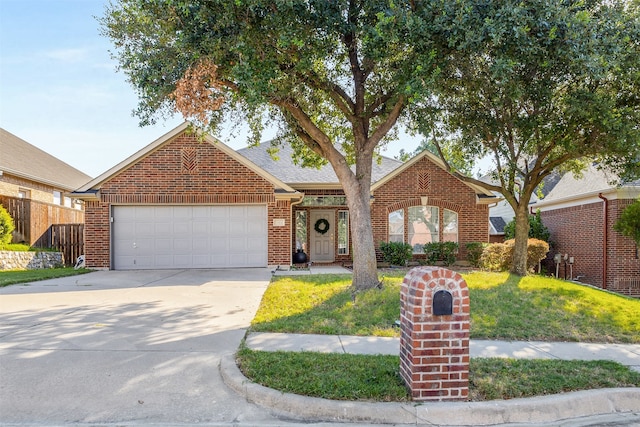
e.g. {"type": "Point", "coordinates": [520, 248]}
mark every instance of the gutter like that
{"type": "Point", "coordinates": [605, 237]}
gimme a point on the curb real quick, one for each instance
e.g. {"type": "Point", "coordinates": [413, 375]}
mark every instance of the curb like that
{"type": "Point", "coordinates": [527, 410]}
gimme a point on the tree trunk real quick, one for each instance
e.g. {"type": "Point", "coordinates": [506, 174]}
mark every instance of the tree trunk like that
{"type": "Point", "coordinates": [519, 266]}
{"type": "Point", "coordinates": [357, 188]}
{"type": "Point", "coordinates": [365, 268]}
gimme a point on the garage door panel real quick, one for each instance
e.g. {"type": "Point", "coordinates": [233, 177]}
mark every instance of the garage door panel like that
{"type": "Point", "coordinates": [155, 237]}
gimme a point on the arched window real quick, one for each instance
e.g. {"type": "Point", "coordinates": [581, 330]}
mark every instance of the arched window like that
{"type": "Point", "coordinates": [423, 227]}
{"type": "Point", "coordinates": [396, 226]}
{"type": "Point", "coordinates": [449, 226]}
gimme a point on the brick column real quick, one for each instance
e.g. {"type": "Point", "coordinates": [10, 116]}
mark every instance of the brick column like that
{"type": "Point", "coordinates": [434, 340]}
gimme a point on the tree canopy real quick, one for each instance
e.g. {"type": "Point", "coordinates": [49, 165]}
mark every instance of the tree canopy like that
{"type": "Point", "coordinates": [538, 86]}
{"type": "Point", "coordinates": [324, 72]}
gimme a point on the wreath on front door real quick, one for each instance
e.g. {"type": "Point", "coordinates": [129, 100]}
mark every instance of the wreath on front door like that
{"type": "Point", "coordinates": [321, 226]}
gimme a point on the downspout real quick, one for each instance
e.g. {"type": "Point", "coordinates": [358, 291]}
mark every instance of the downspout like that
{"type": "Point", "coordinates": [604, 240]}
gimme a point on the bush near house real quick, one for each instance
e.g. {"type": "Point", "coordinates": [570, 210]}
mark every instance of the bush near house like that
{"type": "Point", "coordinates": [396, 253]}
{"type": "Point", "coordinates": [474, 252]}
{"type": "Point", "coordinates": [499, 256]}
{"type": "Point", "coordinates": [537, 229]}
{"type": "Point", "coordinates": [441, 251]}
{"type": "Point", "coordinates": [6, 227]}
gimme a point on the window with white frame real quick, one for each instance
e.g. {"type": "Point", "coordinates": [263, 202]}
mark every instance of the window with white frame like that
{"type": "Point", "coordinates": [343, 232]}
{"type": "Point", "coordinates": [301, 230]}
{"type": "Point", "coordinates": [396, 226]}
{"type": "Point", "coordinates": [57, 198]}
{"type": "Point", "coordinates": [423, 226]}
{"type": "Point", "coordinates": [450, 226]}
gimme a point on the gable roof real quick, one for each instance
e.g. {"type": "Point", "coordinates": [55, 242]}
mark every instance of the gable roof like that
{"type": "Point", "coordinates": [300, 177]}
{"type": "Point", "coordinates": [483, 194]}
{"type": "Point", "coordinates": [19, 158]}
{"type": "Point", "coordinates": [593, 182]}
{"type": "Point", "coordinates": [90, 188]}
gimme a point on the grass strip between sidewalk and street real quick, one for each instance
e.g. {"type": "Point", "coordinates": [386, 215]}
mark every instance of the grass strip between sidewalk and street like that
{"type": "Point", "coordinates": [376, 378]}
{"type": "Point", "coordinates": [12, 277]}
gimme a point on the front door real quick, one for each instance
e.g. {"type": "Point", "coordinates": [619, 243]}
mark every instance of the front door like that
{"type": "Point", "coordinates": [322, 236]}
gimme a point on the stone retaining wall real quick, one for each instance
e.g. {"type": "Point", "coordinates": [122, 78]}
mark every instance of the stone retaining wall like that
{"type": "Point", "coordinates": [12, 260]}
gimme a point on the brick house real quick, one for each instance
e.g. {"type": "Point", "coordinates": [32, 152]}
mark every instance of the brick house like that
{"type": "Point", "coordinates": [580, 214]}
{"type": "Point", "coordinates": [34, 188]}
{"type": "Point", "coordinates": [190, 202]}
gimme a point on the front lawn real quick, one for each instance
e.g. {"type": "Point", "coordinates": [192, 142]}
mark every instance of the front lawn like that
{"type": "Point", "coordinates": [503, 306]}
{"type": "Point", "coordinates": [11, 277]}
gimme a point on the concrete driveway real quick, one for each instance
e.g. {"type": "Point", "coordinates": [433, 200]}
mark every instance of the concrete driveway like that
{"type": "Point", "coordinates": [140, 347]}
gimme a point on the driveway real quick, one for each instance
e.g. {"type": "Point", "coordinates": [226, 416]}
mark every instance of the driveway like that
{"type": "Point", "coordinates": [134, 346]}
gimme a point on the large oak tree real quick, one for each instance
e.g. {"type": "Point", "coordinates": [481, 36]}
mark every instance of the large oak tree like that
{"type": "Point", "coordinates": [327, 73]}
{"type": "Point", "coordinates": [538, 86]}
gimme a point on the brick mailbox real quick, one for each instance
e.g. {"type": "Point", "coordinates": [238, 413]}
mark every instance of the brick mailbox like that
{"type": "Point", "coordinates": [434, 340]}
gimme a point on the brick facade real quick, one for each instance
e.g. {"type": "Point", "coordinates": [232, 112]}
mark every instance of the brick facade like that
{"type": "Point", "coordinates": [185, 171]}
{"type": "Point", "coordinates": [579, 231]}
{"type": "Point", "coordinates": [441, 189]}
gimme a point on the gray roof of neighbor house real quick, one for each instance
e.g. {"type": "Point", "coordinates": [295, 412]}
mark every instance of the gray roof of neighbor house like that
{"type": "Point", "coordinates": [498, 224]}
{"type": "Point", "coordinates": [24, 160]}
{"type": "Point", "coordinates": [593, 181]}
{"type": "Point", "coordinates": [287, 171]}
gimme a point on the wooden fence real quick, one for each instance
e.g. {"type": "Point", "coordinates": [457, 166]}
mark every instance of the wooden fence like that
{"type": "Point", "coordinates": [68, 239]}
{"type": "Point", "coordinates": [45, 225]}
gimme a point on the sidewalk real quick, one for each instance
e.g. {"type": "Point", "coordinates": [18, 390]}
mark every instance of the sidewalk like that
{"type": "Point", "coordinates": [626, 354]}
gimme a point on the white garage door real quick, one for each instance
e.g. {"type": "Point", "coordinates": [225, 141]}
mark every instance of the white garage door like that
{"type": "Point", "coordinates": [157, 237]}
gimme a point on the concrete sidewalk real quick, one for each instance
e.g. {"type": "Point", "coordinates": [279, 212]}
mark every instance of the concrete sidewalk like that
{"type": "Point", "coordinates": [626, 354]}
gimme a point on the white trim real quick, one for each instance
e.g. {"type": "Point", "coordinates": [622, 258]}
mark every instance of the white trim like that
{"type": "Point", "coordinates": [438, 162]}
{"type": "Point", "coordinates": [166, 138]}
{"type": "Point", "coordinates": [587, 198]}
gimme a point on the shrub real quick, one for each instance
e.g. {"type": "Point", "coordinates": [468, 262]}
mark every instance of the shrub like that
{"type": "Point", "coordinates": [6, 227]}
{"type": "Point", "coordinates": [537, 229]}
{"type": "Point", "coordinates": [629, 222]}
{"type": "Point", "coordinates": [499, 256]}
{"type": "Point", "coordinates": [496, 257]}
{"type": "Point", "coordinates": [474, 252]}
{"type": "Point", "coordinates": [396, 253]}
{"type": "Point", "coordinates": [433, 252]}
{"type": "Point", "coordinates": [441, 251]}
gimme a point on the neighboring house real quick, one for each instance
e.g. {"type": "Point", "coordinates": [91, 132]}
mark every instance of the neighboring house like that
{"type": "Point", "coordinates": [188, 202]}
{"type": "Point", "coordinates": [580, 214]}
{"type": "Point", "coordinates": [501, 213]}
{"type": "Point", "coordinates": [34, 188]}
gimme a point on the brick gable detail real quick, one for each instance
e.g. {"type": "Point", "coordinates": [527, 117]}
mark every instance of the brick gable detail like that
{"type": "Point", "coordinates": [444, 191]}
{"type": "Point", "coordinates": [185, 171]}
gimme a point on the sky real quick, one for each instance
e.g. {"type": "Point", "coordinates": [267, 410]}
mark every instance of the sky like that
{"type": "Point", "coordinates": [60, 91]}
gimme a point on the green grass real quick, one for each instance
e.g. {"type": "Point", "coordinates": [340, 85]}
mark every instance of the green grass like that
{"type": "Point", "coordinates": [503, 306]}
{"type": "Point", "coordinates": [376, 378]}
{"type": "Point", "coordinates": [11, 277]}
{"type": "Point", "coordinates": [492, 378]}
{"type": "Point", "coordinates": [332, 376]}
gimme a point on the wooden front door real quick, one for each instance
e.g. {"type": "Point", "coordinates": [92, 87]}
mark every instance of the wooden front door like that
{"type": "Point", "coordinates": [322, 244]}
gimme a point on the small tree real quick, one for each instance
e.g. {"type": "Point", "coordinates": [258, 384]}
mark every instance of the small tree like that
{"type": "Point", "coordinates": [6, 227]}
{"type": "Point", "coordinates": [537, 229]}
{"type": "Point", "coordinates": [629, 222]}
